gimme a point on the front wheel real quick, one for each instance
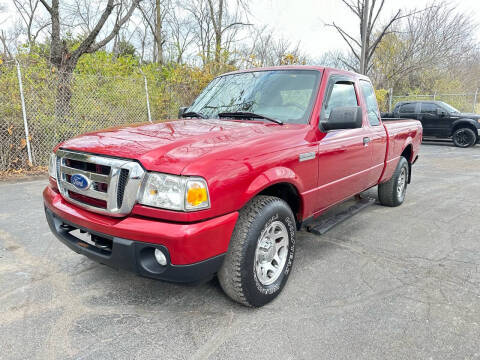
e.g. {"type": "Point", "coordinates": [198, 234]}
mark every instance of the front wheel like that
{"type": "Point", "coordinates": [261, 252]}
{"type": "Point", "coordinates": [392, 193]}
{"type": "Point", "coordinates": [464, 137]}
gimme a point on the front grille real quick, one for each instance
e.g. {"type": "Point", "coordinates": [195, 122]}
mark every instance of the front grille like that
{"type": "Point", "coordinates": [122, 182]}
{"type": "Point", "coordinates": [93, 168]}
{"type": "Point", "coordinates": [87, 200]}
{"type": "Point", "coordinates": [100, 184]}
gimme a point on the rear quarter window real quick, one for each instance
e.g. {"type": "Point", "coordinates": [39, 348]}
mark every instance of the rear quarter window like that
{"type": "Point", "coordinates": [371, 101]}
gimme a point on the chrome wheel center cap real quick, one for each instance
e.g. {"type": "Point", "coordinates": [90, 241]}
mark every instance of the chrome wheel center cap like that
{"type": "Point", "coordinates": [266, 250]}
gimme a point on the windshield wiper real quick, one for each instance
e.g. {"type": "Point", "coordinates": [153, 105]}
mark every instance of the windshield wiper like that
{"type": "Point", "coordinates": [193, 114]}
{"type": "Point", "coordinates": [248, 115]}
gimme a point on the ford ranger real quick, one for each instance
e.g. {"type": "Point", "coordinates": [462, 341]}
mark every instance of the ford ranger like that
{"type": "Point", "coordinates": [224, 189]}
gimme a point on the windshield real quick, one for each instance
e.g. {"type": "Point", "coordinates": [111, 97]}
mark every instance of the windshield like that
{"type": "Point", "coordinates": [285, 95]}
{"type": "Point", "coordinates": [449, 108]}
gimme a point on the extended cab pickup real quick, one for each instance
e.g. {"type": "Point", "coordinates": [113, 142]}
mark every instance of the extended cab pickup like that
{"type": "Point", "coordinates": [224, 190]}
{"type": "Point", "coordinates": [440, 120]}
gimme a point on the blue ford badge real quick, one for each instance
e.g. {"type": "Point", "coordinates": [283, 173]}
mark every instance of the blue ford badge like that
{"type": "Point", "coordinates": [80, 181]}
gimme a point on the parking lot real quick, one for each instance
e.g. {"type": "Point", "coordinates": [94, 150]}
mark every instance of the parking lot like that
{"type": "Point", "coordinates": [389, 283]}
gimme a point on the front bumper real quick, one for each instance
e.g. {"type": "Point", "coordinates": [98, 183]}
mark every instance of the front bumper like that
{"type": "Point", "coordinates": [194, 251]}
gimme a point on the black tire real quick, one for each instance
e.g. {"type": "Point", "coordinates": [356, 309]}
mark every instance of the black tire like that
{"type": "Point", "coordinates": [238, 275]}
{"type": "Point", "coordinates": [464, 137]}
{"type": "Point", "coordinates": [389, 193]}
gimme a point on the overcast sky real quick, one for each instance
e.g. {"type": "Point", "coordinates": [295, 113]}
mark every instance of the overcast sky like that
{"type": "Point", "coordinates": [304, 20]}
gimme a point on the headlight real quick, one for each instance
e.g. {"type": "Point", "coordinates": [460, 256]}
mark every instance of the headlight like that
{"type": "Point", "coordinates": [175, 192]}
{"type": "Point", "coordinates": [52, 166]}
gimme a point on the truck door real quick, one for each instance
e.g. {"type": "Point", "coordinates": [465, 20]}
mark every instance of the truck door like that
{"type": "Point", "coordinates": [429, 118]}
{"type": "Point", "coordinates": [378, 135]}
{"type": "Point", "coordinates": [344, 158]}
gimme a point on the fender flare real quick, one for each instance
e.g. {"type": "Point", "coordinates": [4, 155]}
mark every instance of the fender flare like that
{"type": "Point", "coordinates": [408, 142]}
{"type": "Point", "coordinates": [270, 177]}
{"type": "Point", "coordinates": [461, 121]}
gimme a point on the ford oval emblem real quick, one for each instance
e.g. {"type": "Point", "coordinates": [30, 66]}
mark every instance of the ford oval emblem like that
{"type": "Point", "coordinates": [80, 181]}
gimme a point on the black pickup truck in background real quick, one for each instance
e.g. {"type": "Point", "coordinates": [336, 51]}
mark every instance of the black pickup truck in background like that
{"type": "Point", "coordinates": [440, 120]}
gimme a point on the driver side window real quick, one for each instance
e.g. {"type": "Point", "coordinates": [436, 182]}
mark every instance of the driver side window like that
{"type": "Point", "coordinates": [428, 108]}
{"type": "Point", "coordinates": [342, 94]}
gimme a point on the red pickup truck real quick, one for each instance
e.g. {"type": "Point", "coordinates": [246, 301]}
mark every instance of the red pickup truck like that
{"type": "Point", "coordinates": [224, 189]}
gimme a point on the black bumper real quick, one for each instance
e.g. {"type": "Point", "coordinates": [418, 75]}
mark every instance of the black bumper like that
{"type": "Point", "coordinates": [134, 256]}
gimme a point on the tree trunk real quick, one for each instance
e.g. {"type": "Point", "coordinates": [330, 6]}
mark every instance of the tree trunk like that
{"type": "Point", "coordinates": [64, 87]}
{"type": "Point", "coordinates": [65, 61]}
{"type": "Point", "coordinates": [158, 32]}
{"type": "Point", "coordinates": [218, 33]}
{"type": "Point", "coordinates": [364, 38]}
{"type": "Point", "coordinates": [115, 49]}
{"type": "Point", "coordinates": [64, 95]}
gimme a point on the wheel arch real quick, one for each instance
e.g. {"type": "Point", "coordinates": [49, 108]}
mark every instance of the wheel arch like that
{"type": "Point", "coordinates": [461, 123]}
{"type": "Point", "coordinates": [407, 153]}
{"type": "Point", "coordinates": [280, 182]}
{"type": "Point", "coordinates": [287, 192]}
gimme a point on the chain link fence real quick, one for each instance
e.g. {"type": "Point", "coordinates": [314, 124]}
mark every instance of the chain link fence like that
{"type": "Point", "coordinates": [466, 102]}
{"type": "Point", "coordinates": [58, 106]}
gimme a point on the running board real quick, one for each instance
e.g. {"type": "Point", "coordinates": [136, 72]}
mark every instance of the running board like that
{"type": "Point", "coordinates": [322, 226]}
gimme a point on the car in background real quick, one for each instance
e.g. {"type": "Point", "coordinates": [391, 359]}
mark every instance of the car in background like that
{"type": "Point", "coordinates": [440, 120]}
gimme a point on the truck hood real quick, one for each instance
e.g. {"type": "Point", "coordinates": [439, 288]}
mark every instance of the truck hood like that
{"type": "Point", "coordinates": [170, 146]}
{"type": "Point", "coordinates": [468, 116]}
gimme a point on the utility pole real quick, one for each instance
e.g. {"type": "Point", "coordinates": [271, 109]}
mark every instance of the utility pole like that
{"type": "Point", "coordinates": [364, 38]}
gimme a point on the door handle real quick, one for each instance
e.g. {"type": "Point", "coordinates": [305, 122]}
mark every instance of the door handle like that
{"type": "Point", "coordinates": [366, 140]}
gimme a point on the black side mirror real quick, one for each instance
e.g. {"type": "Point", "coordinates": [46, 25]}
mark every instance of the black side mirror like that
{"type": "Point", "coordinates": [182, 111]}
{"type": "Point", "coordinates": [441, 112]}
{"type": "Point", "coordinates": [350, 117]}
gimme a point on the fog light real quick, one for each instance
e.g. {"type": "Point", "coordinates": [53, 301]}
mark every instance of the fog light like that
{"type": "Point", "coordinates": [160, 257]}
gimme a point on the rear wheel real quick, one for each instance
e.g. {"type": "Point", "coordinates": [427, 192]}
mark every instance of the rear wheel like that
{"type": "Point", "coordinates": [261, 252]}
{"type": "Point", "coordinates": [392, 193]}
{"type": "Point", "coordinates": [464, 137]}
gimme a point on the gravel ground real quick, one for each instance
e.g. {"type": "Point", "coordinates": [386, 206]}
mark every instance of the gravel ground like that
{"type": "Point", "coordinates": [389, 283]}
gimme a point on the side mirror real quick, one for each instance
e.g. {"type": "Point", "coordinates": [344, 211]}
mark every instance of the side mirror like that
{"type": "Point", "coordinates": [350, 117]}
{"type": "Point", "coordinates": [441, 112]}
{"type": "Point", "coordinates": [182, 111]}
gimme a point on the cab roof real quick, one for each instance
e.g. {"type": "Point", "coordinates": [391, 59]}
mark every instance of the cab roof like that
{"type": "Point", "coordinates": [300, 67]}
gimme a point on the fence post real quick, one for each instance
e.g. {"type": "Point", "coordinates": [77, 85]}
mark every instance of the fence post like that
{"type": "Point", "coordinates": [146, 96]}
{"type": "Point", "coordinates": [434, 96]}
{"type": "Point", "coordinates": [390, 99]}
{"type": "Point", "coordinates": [24, 112]}
{"type": "Point", "coordinates": [475, 100]}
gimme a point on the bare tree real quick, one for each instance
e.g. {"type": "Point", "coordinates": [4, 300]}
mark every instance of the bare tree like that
{"type": "Point", "coordinates": [214, 21]}
{"type": "Point", "coordinates": [333, 58]}
{"type": "Point", "coordinates": [436, 40]}
{"type": "Point", "coordinates": [33, 22]}
{"type": "Point", "coordinates": [181, 32]}
{"type": "Point", "coordinates": [65, 59]}
{"type": "Point", "coordinates": [222, 20]}
{"type": "Point", "coordinates": [267, 50]}
{"type": "Point", "coordinates": [154, 13]}
{"type": "Point", "coordinates": [4, 40]}
{"type": "Point", "coordinates": [204, 34]}
{"type": "Point", "coordinates": [367, 12]}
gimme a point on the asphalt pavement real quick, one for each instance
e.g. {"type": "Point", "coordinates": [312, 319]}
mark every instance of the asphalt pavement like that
{"type": "Point", "coordinates": [389, 283]}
